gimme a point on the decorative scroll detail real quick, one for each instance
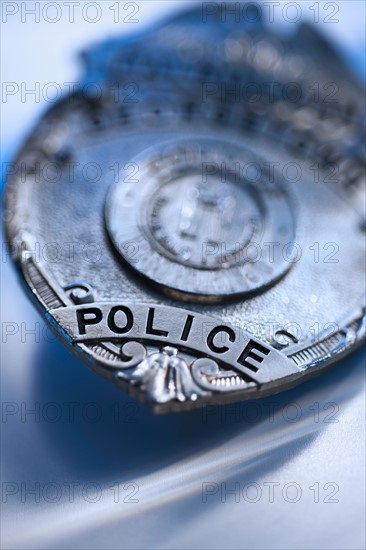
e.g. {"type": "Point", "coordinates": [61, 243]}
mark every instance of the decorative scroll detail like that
{"type": "Point", "coordinates": [36, 276]}
{"type": "Point", "coordinates": [80, 292]}
{"type": "Point", "coordinates": [208, 374]}
{"type": "Point", "coordinates": [164, 375]}
{"type": "Point", "coordinates": [37, 280]}
{"type": "Point", "coordinates": [333, 345]}
{"type": "Point", "coordinates": [41, 281]}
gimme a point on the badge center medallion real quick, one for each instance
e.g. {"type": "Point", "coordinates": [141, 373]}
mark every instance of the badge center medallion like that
{"type": "Point", "coordinates": [200, 219]}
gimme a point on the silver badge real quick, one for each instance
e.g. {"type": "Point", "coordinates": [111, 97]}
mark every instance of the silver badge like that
{"type": "Point", "coordinates": [197, 234]}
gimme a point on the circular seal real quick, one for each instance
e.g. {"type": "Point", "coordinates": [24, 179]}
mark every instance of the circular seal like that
{"type": "Point", "coordinates": [200, 216]}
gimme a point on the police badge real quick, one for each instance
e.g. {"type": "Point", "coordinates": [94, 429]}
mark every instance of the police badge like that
{"type": "Point", "coordinates": [191, 220]}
